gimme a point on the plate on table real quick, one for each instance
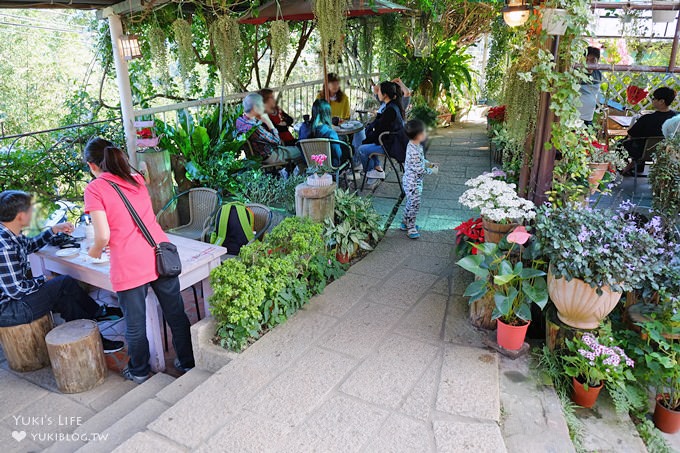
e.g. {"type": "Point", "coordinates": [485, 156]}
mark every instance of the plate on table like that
{"type": "Point", "coordinates": [350, 125]}
{"type": "Point", "coordinates": [103, 260]}
{"type": "Point", "coordinates": [68, 252]}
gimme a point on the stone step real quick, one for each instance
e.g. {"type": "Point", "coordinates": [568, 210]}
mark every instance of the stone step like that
{"type": "Point", "coordinates": [532, 419]}
{"type": "Point", "coordinates": [121, 422]}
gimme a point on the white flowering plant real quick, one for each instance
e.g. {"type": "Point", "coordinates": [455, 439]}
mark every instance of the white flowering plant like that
{"type": "Point", "coordinates": [496, 199]}
{"type": "Point", "coordinates": [597, 360]}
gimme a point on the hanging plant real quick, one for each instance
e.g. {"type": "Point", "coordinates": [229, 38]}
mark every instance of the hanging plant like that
{"type": "Point", "coordinates": [185, 48]}
{"type": "Point", "coordinates": [226, 39]}
{"type": "Point", "coordinates": [159, 53]}
{"type": "Point", "coordinates": [331, 18]}
{"type": "Point", "coordinates": [280, 38]}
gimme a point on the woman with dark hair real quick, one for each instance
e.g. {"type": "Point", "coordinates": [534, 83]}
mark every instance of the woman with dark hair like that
{"type": "Point", "coordinates": [133, 260]}
{"type": "Point", "coordinates": [338, 99]}
{"type": "Point", "coordinates": [390, 120]}
{"type": "Point", "coordinates": [280, 119]}
{"type": "Point", "coordinates": [321, 126]}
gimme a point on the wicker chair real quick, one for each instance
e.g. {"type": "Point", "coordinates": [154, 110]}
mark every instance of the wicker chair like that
{"type": "Point", "coordinates": [313, 146]}
{"type": "Point", "coordinates": [202, 205]}
{"type": "Point", "coordinates": [263, 220]}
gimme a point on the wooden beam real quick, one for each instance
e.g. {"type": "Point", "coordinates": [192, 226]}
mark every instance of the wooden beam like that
{"type": "Point", "coordinates": [674, 49]}
{"type": "Point", "coordinates": [130, 7]}
{"type": "Point", "coordinates": [636, 5]}
{"type": "Point", "coordinates": [631, 68]}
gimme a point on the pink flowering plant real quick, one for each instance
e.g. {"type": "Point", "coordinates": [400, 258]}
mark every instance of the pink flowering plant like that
{"type": "Point", "coordinates": [319, 161]}
{"type": "Point", "coordinates": [597, 360]}
{"type": "Point", "coordinates": [513, 271]}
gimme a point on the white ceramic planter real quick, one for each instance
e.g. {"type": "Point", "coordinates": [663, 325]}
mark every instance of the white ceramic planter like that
{"type": "Point", "coordinates": [578, 304]}
{"type": "Point", "coordinates": [319, 181]}
{"type": "Point", "coordinates": [554, 22]}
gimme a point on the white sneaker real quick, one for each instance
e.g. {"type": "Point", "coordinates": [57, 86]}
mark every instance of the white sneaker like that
{"type": "Point", "coordinates": [374, 174]}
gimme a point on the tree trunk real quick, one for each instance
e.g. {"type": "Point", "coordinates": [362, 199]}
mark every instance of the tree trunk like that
{"type": "Point", "coordinates": [481, 312]}
{"type": "Point", "coordinates": [77, 357]}
{"type": "Point", "coordinates": [24, 345]}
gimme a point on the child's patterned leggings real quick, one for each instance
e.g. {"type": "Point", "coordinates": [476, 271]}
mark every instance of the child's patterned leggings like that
{"type": "Point", "coordinates": [414, 191]}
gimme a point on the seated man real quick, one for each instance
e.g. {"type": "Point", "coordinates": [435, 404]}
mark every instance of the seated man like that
{"type": "Point", "coordinates": [648, 126]}
{"type": "Point", "coordinates": [265, 140]}
{"type": "Point", "coordinates": [24, 298]}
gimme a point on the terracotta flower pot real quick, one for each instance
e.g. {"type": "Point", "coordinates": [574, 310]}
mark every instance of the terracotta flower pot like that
{"type": "Point", "coordinates": [343, 258]}
{"type": "Point", "coordinates": [494, 232]}
{"type": "Point", "coordinates": [578, 304]}
{"type": "Point", "coordinates": [511, 337]}
{"type": "Point", "coordinates": [597, 172]}
{"type": "Point", "coordinates": [583, 397]}
{"type": "Point", "coordinates": [665, 419]}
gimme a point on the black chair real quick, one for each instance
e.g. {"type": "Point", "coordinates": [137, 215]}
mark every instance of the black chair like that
{"type": "Point", "coordinates": [387, 158]}
{"type": "Point", "coordinates": [646, 157]}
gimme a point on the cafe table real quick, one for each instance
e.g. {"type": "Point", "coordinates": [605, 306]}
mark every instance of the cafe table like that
{"type": "Point", "coordinates": [198, 259]}
{"type": "Point", "coordinates": [348, 131]}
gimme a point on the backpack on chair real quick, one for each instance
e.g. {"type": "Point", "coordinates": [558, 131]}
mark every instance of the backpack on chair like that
{"type": "Point", "coordinates": [234, 227]}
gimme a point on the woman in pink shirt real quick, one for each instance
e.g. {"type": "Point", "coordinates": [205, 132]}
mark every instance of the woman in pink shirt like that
{"type": "Point", "coordinates": [133, 262]}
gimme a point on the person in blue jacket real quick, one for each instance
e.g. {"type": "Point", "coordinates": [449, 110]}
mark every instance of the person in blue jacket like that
{"type": "Point", "coordinates": [321, 126]}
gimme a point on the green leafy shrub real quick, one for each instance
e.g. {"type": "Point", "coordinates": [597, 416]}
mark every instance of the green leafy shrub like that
{"type": "Point", "coordinates": [257, 186]}
{"type": "Point", "coordinates": [359, 212]}
{"type": "Point", "coordinates": [664, 178]}
{"type": "Point", "coordinates": [425, 114]}
{"type": "Point", "coordinates": [270, 280]}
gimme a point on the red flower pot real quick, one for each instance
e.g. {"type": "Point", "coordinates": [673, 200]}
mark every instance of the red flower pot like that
{"type": "Point", "coordinates": [583, 397]}
{"type": "Point", "coordinates": [665, 419]}
{"type": "Point", "coordinates": [511, 337]}
{"type": "Point", "coordinates": [343, 259]}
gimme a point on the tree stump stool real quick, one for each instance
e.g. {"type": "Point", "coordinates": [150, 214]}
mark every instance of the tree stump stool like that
{"type": "Point", "coordinates": [317, 203]}
{"type": "Point", "coordinates": [481, 312]}
{"type": "Point", "coordinates": [24, 345]}
{"type": "Point", "coordinates": [556, 332]}
{"type": "Point", "coordinates": [77, 357]}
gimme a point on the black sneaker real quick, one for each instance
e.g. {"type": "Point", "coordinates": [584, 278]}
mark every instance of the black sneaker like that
{"type": "Point", "coordinates": [127, 374]}
{"type": "Point", "coordinates": [111, 345]}
{"type": "Point", "coordinates": [179, 366]}
{"type": "Point", "coordinates": [109, 313]}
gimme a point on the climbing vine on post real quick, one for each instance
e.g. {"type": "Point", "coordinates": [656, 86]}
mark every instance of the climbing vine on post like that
{"type": "Point", "coordinates": [562, 80]}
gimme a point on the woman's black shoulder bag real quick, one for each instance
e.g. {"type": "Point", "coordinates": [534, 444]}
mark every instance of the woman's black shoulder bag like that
{"type": "Point", "coordinates": [168, 263]}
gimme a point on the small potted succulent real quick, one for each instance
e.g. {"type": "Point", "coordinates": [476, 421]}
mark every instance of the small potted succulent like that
{"type": "Point", "coordinates": [318, 177]}
{"type": "Point", "coordinates": [662, 357]}
{"type": "Point", "coordinates": [497, 200]}
{"type": "Point", "coordinates": [594, 256]}
{"type": "Point", "coordinates": [593, 362]}
{"type": "Point", "coordinates": [516, 280]}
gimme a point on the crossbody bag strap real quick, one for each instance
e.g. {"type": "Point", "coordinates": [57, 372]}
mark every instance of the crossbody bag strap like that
{"type": "Point", "coordinates": [134, 215]}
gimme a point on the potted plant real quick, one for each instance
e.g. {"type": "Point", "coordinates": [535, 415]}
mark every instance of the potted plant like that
{"type": "Point", "coordinates": [594, 256]}
{"type": "Point", "coordinates": [501, 208]}
{"type": "Point", "coordinates": [346, 239]}
{"type": "Point", "coordinates": [515, 279]}
{"type": "Point", "coordinates": [601, 160]}
{"type": "Point", "coordinates": [468, 234]}
{"type": "Point", "coordinates": [662, 356]}
{"type": "Point", "coordinates": [317, 176]}
{"type": "Point", "coordinates": [593, 362]}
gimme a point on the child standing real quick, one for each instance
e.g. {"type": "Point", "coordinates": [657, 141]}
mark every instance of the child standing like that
{"type": "Point", "coordinates": [414, 170]}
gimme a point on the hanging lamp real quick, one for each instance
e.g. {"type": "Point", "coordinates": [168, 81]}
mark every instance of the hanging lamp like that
{"type": "Point", "coordinates": [516, 12]}
{"type": "Point", "coordinates": [129, 44]}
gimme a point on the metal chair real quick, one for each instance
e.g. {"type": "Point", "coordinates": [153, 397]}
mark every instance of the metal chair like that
{"type": "Point", "coordinates": [647, 156]}
{"type": "Point", "coordinates": [386, 158]}
{"type": "Point", "coordinates": [202, 204]}
{"type": "Point", "coordinates": [313, 146]}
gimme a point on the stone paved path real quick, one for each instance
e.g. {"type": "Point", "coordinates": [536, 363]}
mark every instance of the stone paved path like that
{"type": "Point", "coordinates": [384, 360]}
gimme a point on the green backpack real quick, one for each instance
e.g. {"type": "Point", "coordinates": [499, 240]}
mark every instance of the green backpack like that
{"type": "Point", "coordinates": [234, 227]}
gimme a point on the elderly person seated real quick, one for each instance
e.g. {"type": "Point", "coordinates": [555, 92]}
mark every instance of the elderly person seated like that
{"type": "Point", "coordinates": [265, 138]}
{"type": "Point", "coordinates": [649, 125]}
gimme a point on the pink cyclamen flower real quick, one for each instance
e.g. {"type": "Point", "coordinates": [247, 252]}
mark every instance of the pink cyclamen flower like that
{"type": "Point", "coordinates": [319, 159]}
{"type": "Point", "coordinates": [519, 235]}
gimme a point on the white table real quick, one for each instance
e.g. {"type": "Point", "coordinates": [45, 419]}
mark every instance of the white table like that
{"type": "Point", "coordinates": [198, 259]}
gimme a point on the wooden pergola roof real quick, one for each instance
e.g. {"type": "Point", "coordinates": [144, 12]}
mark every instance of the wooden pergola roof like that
{"type": "Point", "coordinates": [59, 4]}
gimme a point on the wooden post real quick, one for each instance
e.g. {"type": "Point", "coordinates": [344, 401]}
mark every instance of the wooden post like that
{"type": "Point", "coordinates": [159, 177]}
{"type": "Point", "coordinates": [24, 345]}
{"type": "Point", "coordinates": [77, 356]}
{"type": "Point", "coordinates": [481, 312]}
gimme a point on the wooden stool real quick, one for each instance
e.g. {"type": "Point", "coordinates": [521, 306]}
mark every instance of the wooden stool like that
{"type": "Point", "coordinates": [24, 345]}
{"type": "Point", "coordinates": [77, 357]}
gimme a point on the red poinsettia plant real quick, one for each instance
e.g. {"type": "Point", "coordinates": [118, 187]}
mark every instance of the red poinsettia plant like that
{"type": "Point", "coordinates": [635, 94]}
{"type": "Point", "coordinates": [496, 113]}
{"type": "Point", "coordinates": [468, 233]}
{"type": "Point", "coordinates": [145, 133]}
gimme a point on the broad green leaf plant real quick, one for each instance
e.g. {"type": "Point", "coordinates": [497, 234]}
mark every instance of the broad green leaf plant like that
{"type": "Point", "coordinates": [514, 275]}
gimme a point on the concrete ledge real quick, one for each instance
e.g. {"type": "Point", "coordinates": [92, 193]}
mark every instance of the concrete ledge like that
{"type": "Point", "coordinates": [208, 356]}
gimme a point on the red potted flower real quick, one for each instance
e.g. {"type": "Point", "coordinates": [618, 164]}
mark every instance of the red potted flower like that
{"type": "Point", "coordinates": [469, 233]}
